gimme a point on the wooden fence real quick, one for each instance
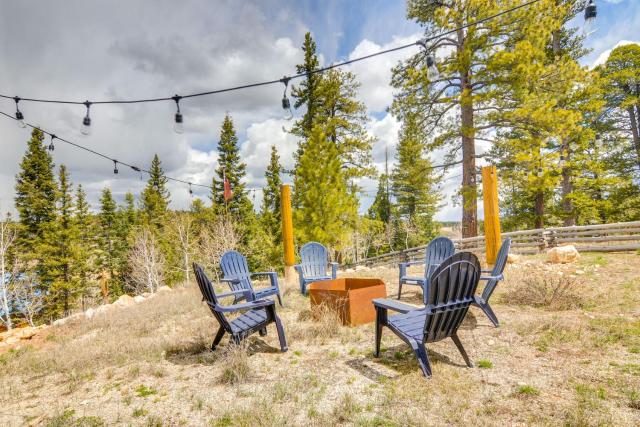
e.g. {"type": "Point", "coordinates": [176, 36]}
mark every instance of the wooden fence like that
{"type": "Point", "coordinates": [617, 237]}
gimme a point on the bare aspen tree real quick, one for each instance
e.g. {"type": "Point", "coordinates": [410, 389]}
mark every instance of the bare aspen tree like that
{"type": "Point", "coordinates": [30, 299]}
{"type": "Point", "coordinates": [146, 263]}
{"type": "Point", "coordinates": [222, 236]}
{"type": "Point", "coordinates": [181, 226]}
{"type": "Point", "coordinates": [7, 237]}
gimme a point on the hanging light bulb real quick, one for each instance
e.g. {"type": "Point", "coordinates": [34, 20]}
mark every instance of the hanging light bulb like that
{"type": "Point", "coordinates": [432, 69]}
{"type": "Point", "coordinates": [51, 146]}
{"type": "Point", "coordinates": [86, 122]}
{"type": "Point", "coordinates": [190, 190]}
{"type": "Point", "coordinates": [115, 167]}
{"type": "Point", "coordinates": [178, 127]}
{"type": "Point", "coordinates": [590, 13]}
{"type": "Point", "coordinates": [286, 104]}
{"type": "Point", "coordinates": [19, 116]}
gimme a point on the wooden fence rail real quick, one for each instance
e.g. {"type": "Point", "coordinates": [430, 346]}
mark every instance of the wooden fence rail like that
{"type": "Point", "coordinates": [617, 237]}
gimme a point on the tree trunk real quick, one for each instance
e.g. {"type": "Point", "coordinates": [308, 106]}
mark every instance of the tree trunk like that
{"type": "Point", "coordinates": [635, 132]}
{"type": "Point", "coordinates": [567, 189]}
{"type": "Point", "coordinates": [469, 186]}
{"type": "Point", "coordinates": [539, 209]}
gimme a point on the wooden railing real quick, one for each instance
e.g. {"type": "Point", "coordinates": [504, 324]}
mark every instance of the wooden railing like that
{"type": "Point", "coordinates": [622, 236]}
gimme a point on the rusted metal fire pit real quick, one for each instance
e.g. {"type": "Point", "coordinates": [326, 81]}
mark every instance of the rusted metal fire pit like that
{"type": "Point", "coordinates": [349, 297]}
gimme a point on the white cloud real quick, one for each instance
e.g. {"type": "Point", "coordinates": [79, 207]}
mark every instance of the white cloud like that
{"type": "Point", "coordinates": [602, 58]}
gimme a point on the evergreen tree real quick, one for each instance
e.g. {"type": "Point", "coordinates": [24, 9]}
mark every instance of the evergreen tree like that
{"type": "Point", "coordinates": [326, 211]}
{"type": "Point", "coordinates": [35, 200]}
{"type": "Point", "coordinates": [60, 241]}
{"type": "Point", "coordinates": [380, 209]}
{"type": "Point", "coordinates": [130, 212]}
{"type": "Point", "coordinates": [155, 197]}
{"type": "Point", "coordinates": [231, 167]}
{"type": "Point", "coordinates": [413, 184]}
{"type": "Point", "coordinates": [107, 259]}
{"type": "Point", "coordinates": [465, 82]}
{"type": "Point", "coordinates": [270, 213]}
{"type": "Point", "coordinates": [86, 247]}
{"type": "Point", "coordinates": [306, 94]}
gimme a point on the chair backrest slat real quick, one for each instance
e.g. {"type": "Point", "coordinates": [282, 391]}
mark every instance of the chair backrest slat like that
{"type": "Point", "coordinates": [314, 259]}
{"type": "Point", "coordinates": [498, 268]}
{"type": "Point", "coordinates": [209, 295]}
{"type": "Point", "coordinates": [234, 264]}
{"type": "Point", "coordinates": [449, 294]}
{"type": "Point", "coordinates": [437, 251]}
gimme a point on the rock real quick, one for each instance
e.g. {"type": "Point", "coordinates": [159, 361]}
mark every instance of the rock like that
{"type": "Point", "coordinates": [563, 254]}
{"type": "Point", "coordinates": [138, 299]}
{"type": "Point", "coordinates": [60, 322]}
{"type": "Point", "coordinates": [124, 301]}
{"type": "Point", "coordinates": [89, 313]}
{"type": "Point", "coordinates": [12, 340]}
{"type": "Point", "coordinates": [514, 259]}
{"type": "Point", "coordinates": [579, 272]}
{"type": "Point", "coordinates": [102, 308]}
{"type": "Point", "coordinates": [164, 288]}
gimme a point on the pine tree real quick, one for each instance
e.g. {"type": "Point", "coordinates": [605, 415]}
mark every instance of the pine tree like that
{"type": "Point", "coordinates": [380, 209]}
{"type": "Point", "coordinates": [155, 197]}
{"type": "Point", "coordinates": [60, 241]}
{"type": "Point", "coordinates": [327, 212]}
{"type": "Point", "coordinates": [86, 247]}
{"type": "Point", "coordinates": [130, 212]}
{"type": "Point", "coordinates": [270, 213]}
{"type": "Point", "coordinates": [413, 184]}
{"type": "Point", "coordinates": [107, 259]}
{"type": "Point", "coordinates": [465, 83]}
{"type": "Point", "coordinates": [306, 94]}
{"type": "Point", "coordinates": [231, 167]}
{"type": "Point", "coordinates": [35, 200]}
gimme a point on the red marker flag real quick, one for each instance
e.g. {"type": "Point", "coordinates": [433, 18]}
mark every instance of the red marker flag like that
{"type": "Point", "coordinates": [228, 194]}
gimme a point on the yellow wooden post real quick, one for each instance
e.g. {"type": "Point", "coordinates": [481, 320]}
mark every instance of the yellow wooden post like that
{"type": "Point", "coordinates": [491, 214]}
{"type": "Point", "coordinates": [287, 235]}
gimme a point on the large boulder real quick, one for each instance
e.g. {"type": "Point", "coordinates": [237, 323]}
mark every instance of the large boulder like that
{"type": "Point", "coordinates": [138, 299]}
{"type": "Point", "coordinates": [124, 301]}
{"type": "Point", "coordinates": [563, 254]}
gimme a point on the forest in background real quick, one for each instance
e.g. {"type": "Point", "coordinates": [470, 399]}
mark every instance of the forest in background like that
{"type": "Point", "coordinates": [565, 139]}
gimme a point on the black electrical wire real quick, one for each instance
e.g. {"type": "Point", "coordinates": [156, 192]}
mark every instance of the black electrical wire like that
{"type": "Point", "coordinates": [104, 156]}
{"type": "Point", "coordinates": [420, 42]}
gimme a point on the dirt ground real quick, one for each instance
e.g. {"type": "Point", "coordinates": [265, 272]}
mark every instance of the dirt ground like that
{"type": "Point", "coordinates": [575, 361]}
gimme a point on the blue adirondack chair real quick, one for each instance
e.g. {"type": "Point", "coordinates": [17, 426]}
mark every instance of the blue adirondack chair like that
{"type": "Point", "coordinates": [495, 275]}
{"type": "Point", "coordinates": [257, 314]}
{"type": "Point", "coordinates": [314, 263]}
{"type": "Point", "coordinates": [236, 273]}
{"type": "Point", "coordinates": [437, 251]}
{"type": "Point", "coordinates": [449, 294]}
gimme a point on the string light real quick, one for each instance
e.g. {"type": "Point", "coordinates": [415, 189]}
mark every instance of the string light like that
{"type": "Point", "coordinates": [286, 104]}
{"type": "Point", "coordinates": [51, 146]}
{"type": "Point", "coordinates": [590, 13]}
{"type": "Point", "coordinates": [86, 122]}
{"type": "Point", "coordinates": [19, 115]}
{"type": "Point", "coordinates": [190, 190]}
{"type": "Point", "coordinates": [432, 69]}
{"type": "Point", "coordinates": [178, 127]}
{"type": "Point", "coordinates": [115, 167]}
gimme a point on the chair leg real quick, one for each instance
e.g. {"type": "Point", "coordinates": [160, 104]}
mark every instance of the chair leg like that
{"type": "Point", "coordinates": [217, 339]}
{"type": "Point", "coordinates": [486, 308]}
{"type": "Point", "coordinates": [378, 337]}
{"type": "Point", "coordinates": [263, 332]}
{"type": "Point", "coordinates": [423, 359]}
{"type": "Point", "coordinates": [461, 349]}
{"type": "Point", "coordinates": [280, 329]}
{"type": "Point", "coordinates": [399, 288]}
{"type": "Point", "coordinates": [279, 299]}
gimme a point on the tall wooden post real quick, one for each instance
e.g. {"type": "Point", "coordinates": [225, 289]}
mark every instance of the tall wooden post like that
{"type": "Point", "coordinates": [287, 235]}
{"type": "Point", "coordinates": [491, 214]}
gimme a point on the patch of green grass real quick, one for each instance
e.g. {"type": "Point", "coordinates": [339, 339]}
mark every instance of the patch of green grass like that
{"type": "Point", "coordinates": [346, 409]}
{"type": "Point", "coordinates": [376, 421]}
{"type": "Point", "coordinates": [154, 421]}
{"type": "Point", "coordinates": [139, 412]}
{"type": "Point", "coordinates": [398, 355]}
{"type": "Point", "coordinates": [634, 399]}
{"type": "Point", "coordinates": [600, 260]}
{"type": "Point", "coordinates": [485, 364]}
{"type": "Point", "coordinates": [527, 390]}
{"type": "Point", "coordinates": [297, 353]}
{"type": "Point", "coordinates": [144, 391]}
{"type": "Point", "coordinates": [553, 334]}
{"type": "Point", "coordinates": [198, 404]}
{"type": "Point", "coordinates": [586, 391]}
{"type": "Point", "coordinates": [68, 419]}
{"type": "Point", "coordinates": [616, 330]}
{"type": "Point", "coordinates": [634, 350]}
{"type": "Point", "coordinates": [223, 421]}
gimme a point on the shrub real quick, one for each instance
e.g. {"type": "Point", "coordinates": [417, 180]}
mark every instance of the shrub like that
{"type": "Point", "coordinates": [549, 292]}
{"type": "Point", "coordinates": [236, 364]}
{"type": "Point", "coordinates": [484, 363]}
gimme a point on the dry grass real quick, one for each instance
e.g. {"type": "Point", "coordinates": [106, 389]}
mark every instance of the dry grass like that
{"type": "Point", "coordinates": [551, 292]}
{"type": "Point", "coordinates": [150, 364]}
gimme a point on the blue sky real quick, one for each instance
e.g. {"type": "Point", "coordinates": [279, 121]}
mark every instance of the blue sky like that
{"type": "Point", "coordinates": [90, 50]}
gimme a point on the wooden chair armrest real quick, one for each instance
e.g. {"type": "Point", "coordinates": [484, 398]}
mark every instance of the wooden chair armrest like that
{"type": "Point", "coordinates": [243, 306]}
